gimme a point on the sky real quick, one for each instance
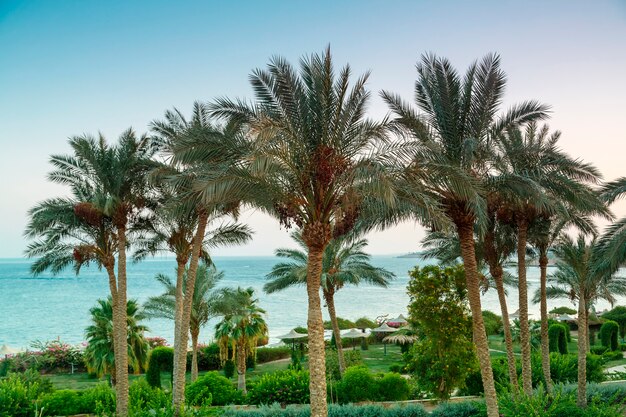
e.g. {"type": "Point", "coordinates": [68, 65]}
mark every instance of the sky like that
{"type": "Point", "coordinates": [74, 67]}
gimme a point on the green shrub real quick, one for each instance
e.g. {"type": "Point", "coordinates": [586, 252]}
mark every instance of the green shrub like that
{"type": "Point", "coordinates": [208, 358]}
{"type": "Point", "coordinates": [493, 322]}
{"type": "Point", "coordinates": [143, 396]}
{"type": "Point", "coordinates": [557, 334]}
{"type": "Point", "coordinates": [599, 350]}
{"type": "Point", "coordinates": [357, 384]}
{"type": "Point", "coordinates": [393, 387]}
{"type": "Point", "coordinates": [334, 410]}
{"type": "Point", "coordinates": [365, 323]}
{"type": "Point", "coordinates": [352, 358]}
{"type": "Point", "coordinates": [161, 359]}
{"type": "Point", "coordinates": [63, 403]}
{"type": "Point", "coordinates": [264, 355]}
{"type": "Point", "coordinates": [99, 400]}
{"type": "Point", "coordinates": [17, 396]}
{"type": "Point", "coordinates": [344, 324]}
{"type": "Point", "coordinates": [613, 356]}
{"type": "Point", "coordinates": [397, 368]}
{"type": "Point", "coordinates": [210, 387]}
{"type": "Point", "coordinates": [229, 368]}
{"type": "Point", "coordinates": [463, 409]}
{"type": "Point", "coordinates": [284, 387]}
{"type": "Point", "coordinates": [608, 334]}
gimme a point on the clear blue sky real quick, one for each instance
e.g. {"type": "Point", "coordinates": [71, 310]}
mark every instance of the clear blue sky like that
{"type": "Point", "coordinates": [69, 67]}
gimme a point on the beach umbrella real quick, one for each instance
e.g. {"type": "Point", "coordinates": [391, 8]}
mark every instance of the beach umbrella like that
{"type": "Point", "coordinates": [384, 328]}
{"type": "Point", "coordinates": [398, 321]}
{"type": "Point", "coordinates": [293, 336]}
{"type": "Point", "coordinates": [6, 350]}
{"type": "Point", "coordinates": [354, 334]}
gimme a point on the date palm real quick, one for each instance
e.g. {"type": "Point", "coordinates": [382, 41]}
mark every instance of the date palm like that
{"type": "Point", "coordinates": [344, 263]}
{"type": "Point", "coordinates": [96, 223]}
{"type": "Point", "coordinates": [613, 241]}
{"type": "Point", "coordinates": [458, 115]}
{"type": "Point", "coordinates": [579, 278]}
{"type": "Point", "coordinates": [99, 355]}
{"type": "Point", "coordinates": [544, 181]}
{"type": "Point", "coordinates": [241, 327]}
{"type": "Point", "coordinates": [164, 305]}
{"type": "Point", "coordinates": [185, 224]}
{"type": "Point", "coordinates": [308, 157]}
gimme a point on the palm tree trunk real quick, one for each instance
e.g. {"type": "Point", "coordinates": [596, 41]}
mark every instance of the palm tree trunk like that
{"type": "Point", "coordinates": [120, 330]}
{"type": "Point", "coordinates": [587, 338]}
{"type": "Point", "coordinates": [241, 367]}
{"type": "Point", "coordinates": [582, 352]}
{"type": "Point", "coordinates": [109, 265]}
{"type": "Point", "coordinates": [468, 253]}
{"type": "Point", "coordinates": [194, 356]}
{"type": "Point", "coordinates": [495, 269]}
{"type": "Point", "coordinates": [330, 302]}
{"type": "Point", "coordinates": [180, 355]}
{"type": "Point", "coordinates": [522, 232]}
{"type": "Point", "coordinates": [178, 312]}
{"type": "Point", "coordinates": [545, 341]}
{"type": "Point", "coordinates": [315, 324]}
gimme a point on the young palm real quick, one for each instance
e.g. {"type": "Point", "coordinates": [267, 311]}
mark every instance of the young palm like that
{"type": "Point", "coordinates": [344, 263]}
{"type": "Point", "coordinates": [540, 181]}
{"type": "Point", "coordinates": [184, 222]}
{"type": "Point", "coordinates": [579, 278]}
{"type": "Point", "coordinates": [164, 305]}
{"type": "Point", "coordinates": [96, 223]}
{"type": "Point", "coordinates": [241, 327]}
{"type": "Point", "coordinates": [458, 116]}
{"type": "Point", "coordinates": [308, 157]}
{"type": "Point", "coordinates": [99, 354]}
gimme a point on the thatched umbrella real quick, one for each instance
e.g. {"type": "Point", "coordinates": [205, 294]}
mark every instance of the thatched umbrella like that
{"type": "Point", "coordinates": [354, 334]}
{"type": "Point", "coordinates": [384, 328]}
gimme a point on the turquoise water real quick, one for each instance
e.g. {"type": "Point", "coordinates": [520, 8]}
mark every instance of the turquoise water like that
{"type": "Point", "coordinates": [48, 307]}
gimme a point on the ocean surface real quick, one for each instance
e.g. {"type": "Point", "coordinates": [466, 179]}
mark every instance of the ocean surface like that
{"type": "Point", "coordinates": [49, 307]}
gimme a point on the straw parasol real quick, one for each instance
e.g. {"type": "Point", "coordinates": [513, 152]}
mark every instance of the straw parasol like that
{"type": "Point", "coordinates": [354, 334]}
{"type": "Point", "coordinates": [384, 328]}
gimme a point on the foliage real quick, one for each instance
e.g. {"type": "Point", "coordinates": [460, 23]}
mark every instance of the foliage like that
{"type": "Point", "coordinates": [563, 310]}
{"type": "Point", "coordinates": [608, 335]}
{"type": "Point", "coordinates": [393, 387]}
{"type": "Point", "coordinates": [18, 394]}
{"type": "Point", "coordinates": [264, 355]}
{"type": "Point", "coordinates": [365, 323]}
{"type": "Point", "coordinates": [210, 386]}
{"type": "Point", "coordinates": [208, 357]}
{"type": "Point", "coordinates": [493, 322]}
{"type": "Point", "coordinates": [618, 315]}
{"type": "Point", "coordinates": [460, 409]}
{"type": "Point", "coordinates": [357, 384]}
{"type": "Point", "coordinates": [284, 387]}
{"type": "Point", "coordinates": [99, 355]}
{"type": "Point", "coordinates": [557, 335]}
{"type": "Point", "coordinates": [161, 359]}
{"type": "Point", "coordinates": [344, 324]}
{"type": "Point", "coordinates": [442, 358]}
{"type": "Point", "coordinates": [352, 357]}
{"type": "Point", "coordinates": [143, 396]}
{"type": "Point", "coordinates": [62, 403]}
{"type": "Point", "coordinates": [51, 356]}
{"type": "Point", "coordinates": [334, 410]}
{"type": "Point", "coordinates": [229, 368]}
{"type": "Point", "coordinates": [99, 400]}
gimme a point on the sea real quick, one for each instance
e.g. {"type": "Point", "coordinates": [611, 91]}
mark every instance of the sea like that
{"type": "Point", "coordinates": [50, 307]}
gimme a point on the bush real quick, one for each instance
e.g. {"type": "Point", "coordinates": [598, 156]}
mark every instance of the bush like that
{"type": "Point", "coordinates": [599, 350]}
{"type": "Point", "coordinates": [161, 359]}
{"type": "Point", "coordinates": [143, 396]}
{"type": "Point", "coordinates": [493, 322]}
{"type": "Point", "coordinates": [344, 324]}
{"type": "Point", "coordinates": [608, 334]}
{"type": "Point", "coordinates": [352, 357]}
{"type": "Point", "coordinates": [464, 409]}
{"type": "Point", "coordinates": [264, 355]}
{"type": "Point", "coordinates": [557, 334]}
{"type": "Point", "coordinates": [208, 358]}
{"type": "Point", "coordinates": [63, 403]}
{"type": "Point", "coordinates": [211, 387]}
{"type": "Point", "coordinates": [334, 410]}
{"type": "Point", "coordinates": [285, 387]}
{"type": "Point", "coordinates": [613, 356]}
{"type": "Point", "coordinates": [229, 368]}
{"type": "Point", "coordinates": [393, 387]}
{"type": "Point", "coordinates": [99, 400]}
{"type": "Point", "coordinates": [357, 384]}
{"type": "Point", "coordinates": [365, 323]}
{"type": "Point", "coordinates": [17, 396]}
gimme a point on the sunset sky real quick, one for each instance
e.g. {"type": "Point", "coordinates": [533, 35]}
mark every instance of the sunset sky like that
{"type": "Point", "coordinates": [73, 67]}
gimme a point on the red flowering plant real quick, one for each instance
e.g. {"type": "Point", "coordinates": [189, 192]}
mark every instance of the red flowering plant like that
{"type": "Point", "coordinates": [56, 355]}
{"type": "Point", "coordinates": [156, 342]}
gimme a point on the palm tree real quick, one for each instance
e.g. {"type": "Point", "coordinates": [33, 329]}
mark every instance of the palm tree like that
{"type": "Point", "coordinates": [308, 157]}
{"type": "Point", "coordinates": [539, 180]}
{"type": "Point", "coordinates": [99, 353]}
{"type": "Point", "coordinates": [579, 278]}
{"type": "Point", "coordinates": [451, 155]}
{"type": "Point", "coordinates": [613, 241]}
{"type": "Point", "coordinates": [240, 329]}
{"type": "Point", "coordinates": [344, 263]}
{"type": "Point", "coordinates": [184, 219]}
{"type": "Point", "coordinates": [164, 305]}
{"type": "Point", "coordinates": [96, 223]}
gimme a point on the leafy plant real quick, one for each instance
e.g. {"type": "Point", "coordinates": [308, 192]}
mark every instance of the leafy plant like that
{"type": "Point", "coordinates": [161, 359]}
{"type": "Point", "coordinates": [357, 384]}
{"type": "Point", "coordinates": [557, 336]}
{"type": "Point", "coordinates": [285, 387]}
{"type": "Point", "coordinates": [210, 387]}
{"type": "Point", "coordinates": [608, 334]}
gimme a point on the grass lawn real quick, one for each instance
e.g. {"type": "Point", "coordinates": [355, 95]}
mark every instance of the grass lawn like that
{"type": "Point", "coordinates": [374, 358]}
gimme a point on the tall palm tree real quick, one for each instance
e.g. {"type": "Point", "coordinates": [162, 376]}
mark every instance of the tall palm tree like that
{"type": "Point", "coordinates": [164, 305]}
{"type": "Point", "coordinates": [344, 263]}
{"type": "Point", "coordinates": [308, 157]}
{"type": "Point", "coordinates": [241, 327]}
{"type": "Point", "coordinates": [451, 157]}
{"type": "Point", "coordinates": [540, 180]}
{"type": "Point", "coordinates": [183, 222]}
{"type": "Point", "coordinates": [579, 278]}
{"type": "Point", "coordinates": [99, 354]}
{"type": "Point", "coordinates": [96, 223]}
{"type": "Point", "coordinates": [613, 241]}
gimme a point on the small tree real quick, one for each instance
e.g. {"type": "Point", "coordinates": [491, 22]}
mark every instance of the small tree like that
{"type": "Point", "coordinates": [438, 310]}
{"type": "Point", "coordinates": [608, 335]}
{"type": "Point", "coordinates": [557, 336]}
